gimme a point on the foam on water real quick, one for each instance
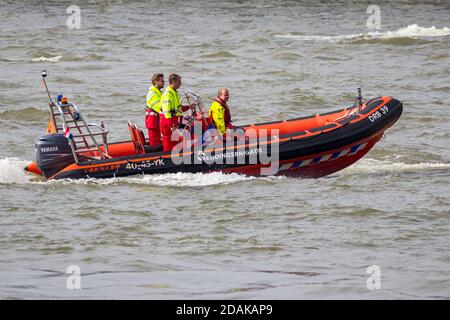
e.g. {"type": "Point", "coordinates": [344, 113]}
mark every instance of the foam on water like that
{"type": "Point", "coordinates": [11, 171]}
{"type": "Point", "coordinates": [369, 165]}
{"type": "Point", "coordinates": [179, 179]}
{"type": "Point", "coordinates": [49, 59]}
{"type": "Point", "coordinates": [411, 31]}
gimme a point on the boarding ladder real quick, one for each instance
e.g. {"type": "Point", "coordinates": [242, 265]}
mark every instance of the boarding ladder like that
{"type": "Point", "coordinates": [69, 121]}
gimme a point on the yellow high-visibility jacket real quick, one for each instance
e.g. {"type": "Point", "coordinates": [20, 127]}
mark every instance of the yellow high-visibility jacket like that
{"type": "Point", "coordinates": [171, 103]}
{"type": "Point", "coordinates": [154, 99]}
{"type": "Point", "coordinates": [217, 114]}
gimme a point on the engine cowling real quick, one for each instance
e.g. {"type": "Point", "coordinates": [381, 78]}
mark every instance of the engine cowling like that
{"type": "Point", "coordinates": [53, 153]}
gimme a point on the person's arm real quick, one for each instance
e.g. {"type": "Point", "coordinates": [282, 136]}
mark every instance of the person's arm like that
{"type": "Point", "coordinates": [166, 105]}
{"type": "Point", "coordinates": [149, 99]}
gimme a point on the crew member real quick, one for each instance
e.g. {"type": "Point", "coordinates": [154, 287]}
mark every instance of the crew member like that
{"type": "Point", "coordinates": [219, 112]}
{"type": "Point", "coordinates": [171, 111]}
{"type": "Point", "coordinates": [153, 109]}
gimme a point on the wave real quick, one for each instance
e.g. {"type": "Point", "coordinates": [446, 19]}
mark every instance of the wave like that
{"type": "Point", "coordinates": [89, 57]}
{"type": "Point", "coordinates": [70, 57]}
{"type": "Point", "coordinates": [26, 115]}
{"type": "Point", "coordinates": [219, 54]}
{"type": "Point", "coordinates": [45, 59]}
{"type": "Point", "coordinates": [11, 171]}
{"type": "Point", "coordinates": [384, 166]}
{"type": "Point", "coordinates": [179, 179]}
{"type": "Point", "coordinates": [411, 31]}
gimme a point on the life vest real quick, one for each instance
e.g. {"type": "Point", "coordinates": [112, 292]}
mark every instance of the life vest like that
{"type": "Point", "coordinates": [220, 115]}
{"type": "Point", "coordinates": [171, 103]}
{"type": "Point", "coordinates": [153, 108]}
{"type": "Point", "coordinates": [227, 114]}
{"type": "Point", "coordinates": [154, 99]}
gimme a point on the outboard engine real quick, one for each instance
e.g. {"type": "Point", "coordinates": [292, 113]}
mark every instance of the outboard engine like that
{"type": "Point", "coordinates": [53, 153]}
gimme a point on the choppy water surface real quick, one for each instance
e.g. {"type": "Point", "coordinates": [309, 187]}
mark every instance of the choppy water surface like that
{"type": "Point", "coordinates": [220, 236]}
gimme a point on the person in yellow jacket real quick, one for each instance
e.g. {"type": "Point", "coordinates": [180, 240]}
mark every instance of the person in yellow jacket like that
{"type": "Point", "coordinates": [219, 112]}
{"type": "Point", "coordinates": [153, 108]}
{"type": "Point", "coordinates": [171, 111]}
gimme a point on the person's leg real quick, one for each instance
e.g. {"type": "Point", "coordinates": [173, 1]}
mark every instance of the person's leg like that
{"type": "Point", "coordinates": [166, 131]}
{"type": "Point", "coordinates": [164, 125]}
{"type": "Point", "coordinates": [157, 137]}
{"type": "Point", "coordinates": [153, 124]}
{"type": "Point", "coordinates": [174, 124]}
{"type": "Point", "coordinates": [166, 140]}
{"type": "Point", "coordinates": [150, 135]}
{"type": "Point", "coordinates": [154, 136]}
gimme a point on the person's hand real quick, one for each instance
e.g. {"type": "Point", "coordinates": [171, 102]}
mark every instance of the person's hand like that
{"type": "Point", "coordinates": [192, 105]}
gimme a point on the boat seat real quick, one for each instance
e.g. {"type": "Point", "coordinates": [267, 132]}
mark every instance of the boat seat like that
{"type": "Point", "coordinates": [141, 135]}
{"type": "Point", "coordinates": [136, 138]}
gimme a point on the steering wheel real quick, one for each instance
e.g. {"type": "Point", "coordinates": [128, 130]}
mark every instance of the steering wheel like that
{"type": "Point", "coordinates": [191, 114]}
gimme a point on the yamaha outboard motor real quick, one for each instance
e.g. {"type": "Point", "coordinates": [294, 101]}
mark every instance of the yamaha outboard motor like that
{"type": "Point", "coordinates": [53, 153]}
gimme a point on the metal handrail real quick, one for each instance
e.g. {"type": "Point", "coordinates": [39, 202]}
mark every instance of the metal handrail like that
{"type": "Point", "coordinates": [103, 132]}
{"type": "Point", "coordinates": [64, 110]}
